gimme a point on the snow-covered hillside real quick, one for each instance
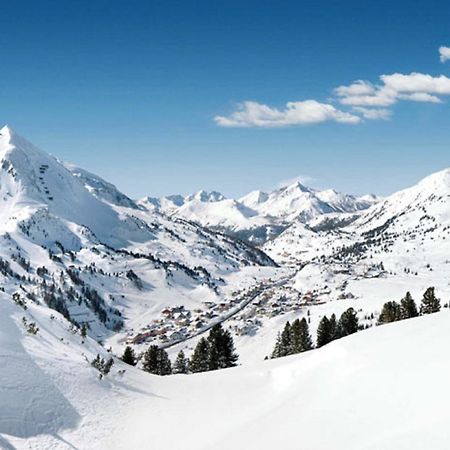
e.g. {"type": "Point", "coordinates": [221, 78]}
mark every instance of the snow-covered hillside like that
{"type": "Point", "coordinates": [71, 239]}
{"type": "Point", "coordinates": [410, 224]}
{"type": "Point", "coordinates": [259, 216]}
{"type": "Point", "coordinates": [385, 388]}
{"type": "Point", "coordinates": [75, 251]}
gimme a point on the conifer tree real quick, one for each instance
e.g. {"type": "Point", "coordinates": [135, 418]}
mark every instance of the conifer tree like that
{"type": "Point", "coordinates": [164, 364]}
{"type": "Point", "coordinates": [156, 361]}
{"type": "Point", "coordinates": [129, 356]}
{"type": "Point", "coordinates": [408, 307]}
{"type": "Point", "coordinates": [391, 312]}
{"type": "Point", "coordinates": [285, 343]}
{"type": "Point", "coordinates": [181, 363]}
{"type": "Point", "coordinates": [221, 348]}
{"type": "Point", "coordinates": [333, 327]}
{"type": "Point", "coordinates": [348, 323]}
{"type": "Point", "coordinates": [277, 349]}
{"type": "Point", "coordinates": [295, 337]}
{"type": "Point", "coordinates": [199, 361]}
{"type": "Point", "coordinates": [324, 332]}
{"type": "Point", "coordinates": [430, 304]}
{"type": "Point", "coordinates": [300, 337]}
{"type": "Point", "coordinates": [150, 363]}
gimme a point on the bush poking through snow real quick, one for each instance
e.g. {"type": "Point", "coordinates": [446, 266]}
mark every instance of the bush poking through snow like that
{"type": "Point", "coordinates": [101, 365]}
{"type": "Point", "coordinates": [19, 301]}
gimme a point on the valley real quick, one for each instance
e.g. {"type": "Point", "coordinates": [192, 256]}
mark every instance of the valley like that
{"type": "Point", "coordinates": [87, 271]}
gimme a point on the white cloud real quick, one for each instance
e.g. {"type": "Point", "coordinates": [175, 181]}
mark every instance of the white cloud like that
{"type": "Point", "coordinates": [379, 97]}
{"type": "Point", "coordinates": [417, 83]}
{"type": "Point", "coordinates": [308, 112]}
{"type": "Point", "coordinates": [420, 97]}
{"type": "Point", "coordinates": [417, 87]}
{"type": "Point", "coordinates": [373, 113]}
{"type": "Point", "coordinates": [444, 53]}
{"type": "Point", "coordinates": [357, 88]}
{"type": "Point", "coordinates": [364, 99]}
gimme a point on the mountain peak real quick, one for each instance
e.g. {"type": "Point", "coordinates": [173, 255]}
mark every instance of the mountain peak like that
{"type": "Point", "coordinates": [439, 179]}
{"type": "Point", "coordinates": [296, 187]}
{"type": "Point", "coordinates": [6, 137]}
{"type": "Point", "coordinates": [5, 130]}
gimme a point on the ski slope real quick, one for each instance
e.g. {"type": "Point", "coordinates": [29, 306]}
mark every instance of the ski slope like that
{"type": "Point", "coordinates": [384, 388]}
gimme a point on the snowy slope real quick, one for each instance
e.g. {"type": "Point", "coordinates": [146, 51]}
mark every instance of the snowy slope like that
{"type": "Point", "coordinates": [401, 244]}
{"type": "Point", "coordinates": [71, 238]}
{"type": "Point", "coordinates": [76, 249]}
{"type": "Point", "coordinates": [100, 188]}
{"type": "Point", "coordinates": [363, 387]}
{"type": "Point", "coordinates": [409, 224]}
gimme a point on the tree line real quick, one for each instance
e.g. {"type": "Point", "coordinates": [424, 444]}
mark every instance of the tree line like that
{"type": "Point", "coordinates": [296, 338]}
{"type": "Point", "coordinates": [215, 352]}
{"type": "Point", "coordinates": [407, 308]}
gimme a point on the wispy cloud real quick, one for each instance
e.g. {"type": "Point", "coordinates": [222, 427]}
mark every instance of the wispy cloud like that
{"type": "Point", "coordinates": [308, 112]}
{"type": "Point", "coordinates": [444, 53]}
{"type": "Point", "coordinates": [363, 100]}
{"type": "Point", "coordinates": [373, 113]}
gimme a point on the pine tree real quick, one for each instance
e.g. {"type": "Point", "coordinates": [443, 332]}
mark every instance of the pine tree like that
{"type": "Point", "coordinates": [300, 337]}
{"type": "Point", "coordinates": [221, 348]}
{"type": "Point", "coordinates": [408, 307]}
{"type": "Point", "coordinates": [325, 333]}
{"type": "Point", "coordinates": [83, 331]}
{"type": "Point", "coordinates": [348, 323]}
{"type": "Point", "coordinates": [181, 363]}
{"type": "Point", "coordinates": [164, 365]}
{"type": "Point", "coordinates": [285, 343]}
{"type": "Point", "coordinates": [295, 337]}
{"type": "Point", "coordinates": [333, 327]}
{"type": "Point", "coordinates": [277, 349]}
{"type": "Point", "coordinates": [156, 361]}
{"type": "Point", "coordinates": [430, 304]}
{"type": "Point", "coordinates": [150, 363]}
{"type": "Point", "coordinates": [199, 361]}
{"type": "Point", "coordinates": [391, 312]}
{"type": "Point", "coordinates": [129, 356]}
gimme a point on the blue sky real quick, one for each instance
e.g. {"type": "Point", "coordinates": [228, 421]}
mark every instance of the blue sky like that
{"type": "Point", "coordinates": [151, 94]}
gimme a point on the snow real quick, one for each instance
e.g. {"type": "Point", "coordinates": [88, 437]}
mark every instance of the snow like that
{"type": "Point", "coordinates": [347, 394]}
{"type": "Point", "coordinates": [335, 251]}
{"type": "Point", "coordinates": [257, 210]}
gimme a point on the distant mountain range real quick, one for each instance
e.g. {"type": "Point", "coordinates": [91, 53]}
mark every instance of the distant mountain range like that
{"type": "Point", "coordinates": [258, 216]}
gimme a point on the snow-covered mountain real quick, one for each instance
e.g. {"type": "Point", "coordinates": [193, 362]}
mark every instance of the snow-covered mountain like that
{"type": "Point", "coordinates": [413, 224]}
{"type": "Point", "coordinates": [76, 251]}
{"type": "Point", "coordinates": [259, 216]}
{"type": "Point", "coordinates": [71, 240]}
{"type": "Point", "coordinates": [298, 202]}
